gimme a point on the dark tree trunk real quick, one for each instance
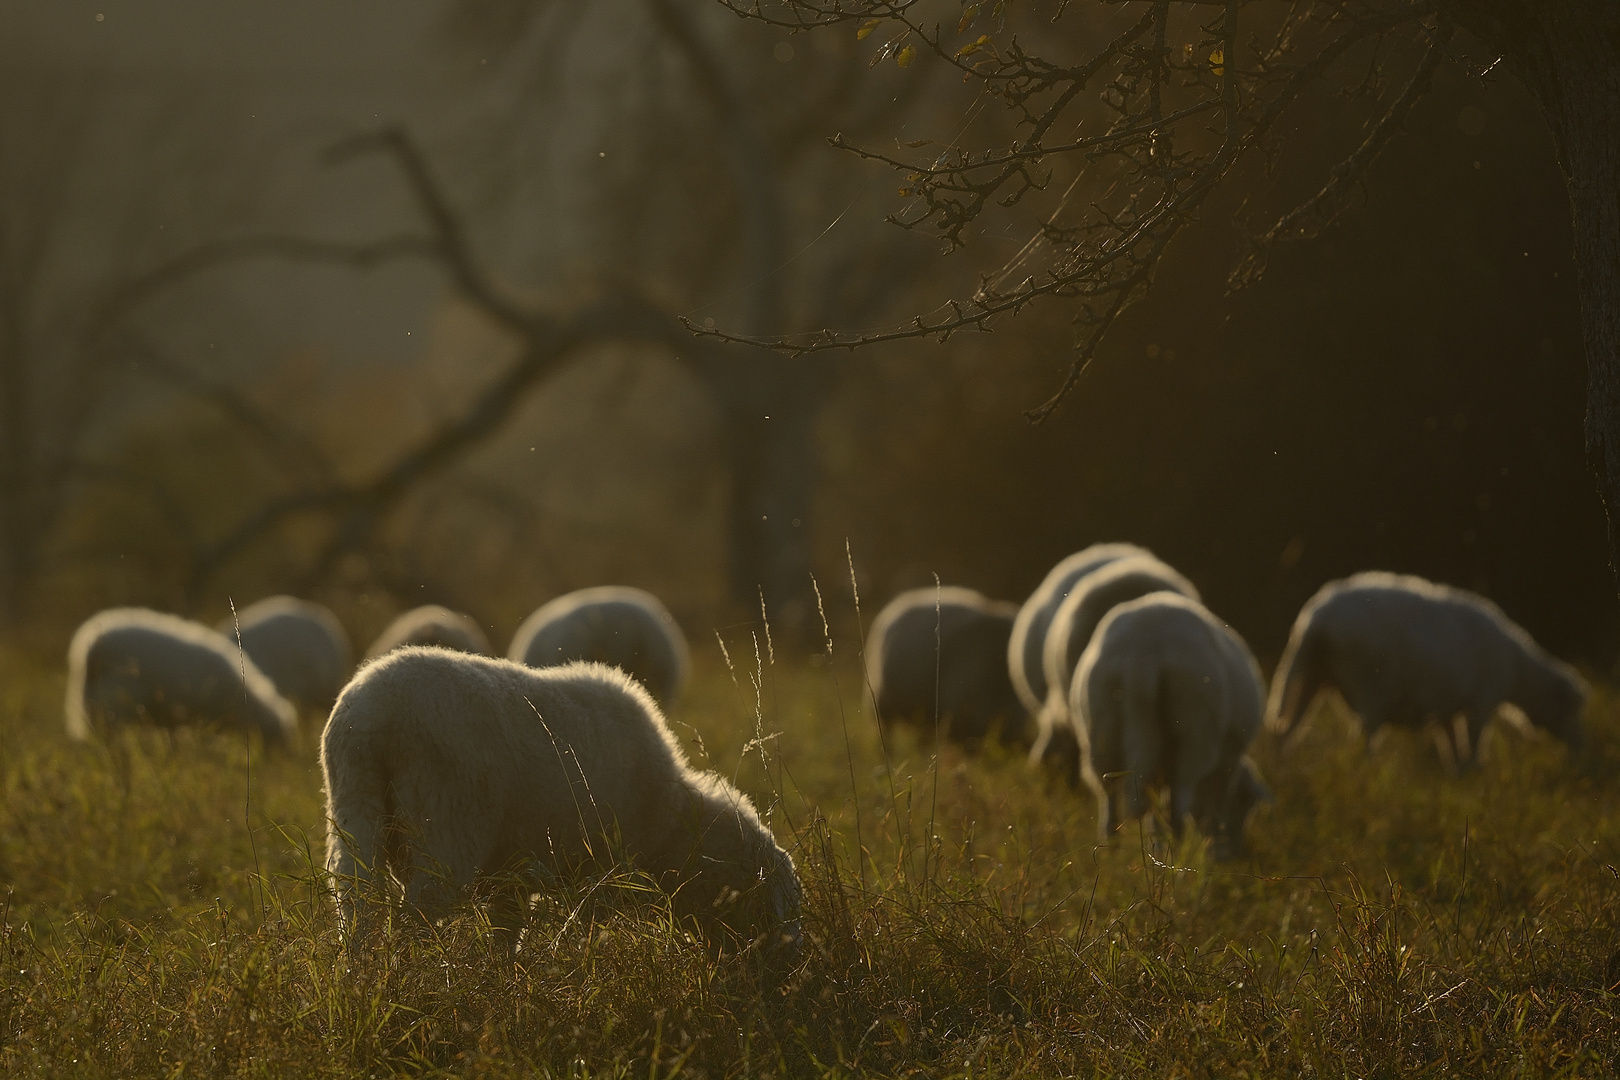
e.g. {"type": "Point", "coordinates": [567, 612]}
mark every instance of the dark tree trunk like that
{"type": "Point", "coordinates": [769, 404]}
{"type": "Point", "coordinates": [1567, 55]}
{"type": "Point", "coordinates": [770, 407]}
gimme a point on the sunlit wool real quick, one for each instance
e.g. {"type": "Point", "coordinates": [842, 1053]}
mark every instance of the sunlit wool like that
{"type": "Point", "coordinates": [1075, 620]}
{"type": "Point", "coordinates": [442, 768]}
{"type": "Point", "coordinates": [432, 624]}
{"type": "Point", "coordinates": [1404, 651]}
{"type": "Point", "coordinates": [952, 640]}
{"type": "Point", "coordinates": [1167, 695]}
{"type": "Point", "coordinates": [1026, 648]}
{"type": "Point", "coordinates": [626, 628]}
{"type": "Point", "coordinates": [300, 645]}
{"type": "Point", "coordinates": [137, 666]}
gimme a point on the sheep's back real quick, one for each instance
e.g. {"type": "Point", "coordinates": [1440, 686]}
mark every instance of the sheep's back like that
{"type": "Point", "coordinates": [432, 624]}
{"type": "Point", "coordinates": [1026, 649]}
{"type": "Point", "coordinates": [927, 633]}
{"type": "Point", "coordinates": [1090, 599]}
{"type": "Point", "coordinates": [1422, 648]}
{"type": "Point", "coordinates": [621, 627]}
{"type": "Point", "coordinates": [510, 743]}
{"type": "Point", "coordinates": [170, 671]}
{"type": "Point", "coordinates": [301, 647]}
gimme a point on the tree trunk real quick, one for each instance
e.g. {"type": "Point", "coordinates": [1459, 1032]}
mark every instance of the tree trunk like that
{"type": "Point", "coordinates": [1567, 55]}
{"type": "Point", "coordinates": [770, 407]}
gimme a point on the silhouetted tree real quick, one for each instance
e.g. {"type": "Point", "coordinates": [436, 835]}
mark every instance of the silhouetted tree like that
{"type": "Point", "coordinates": [1138, 112]}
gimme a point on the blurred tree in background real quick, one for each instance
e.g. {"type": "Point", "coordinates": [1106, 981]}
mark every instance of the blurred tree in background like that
{"type": "Point", "coordinates": [1128, 123]}
{"type": "Point", "coordinates": [447, 363]}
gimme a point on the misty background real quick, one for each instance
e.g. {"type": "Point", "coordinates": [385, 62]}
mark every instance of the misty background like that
{"type": "Point", "coordinates": [1404, 394]}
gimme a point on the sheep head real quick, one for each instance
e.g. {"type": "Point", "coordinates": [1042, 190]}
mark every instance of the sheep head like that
{"type": "Point", "coordinates": [1555, 702]}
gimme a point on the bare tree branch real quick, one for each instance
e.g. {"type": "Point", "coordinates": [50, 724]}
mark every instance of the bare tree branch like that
{"type": "Point", "coordinates": [288, 450]}
{"type": "Point", "coordinates": [1309, 218]}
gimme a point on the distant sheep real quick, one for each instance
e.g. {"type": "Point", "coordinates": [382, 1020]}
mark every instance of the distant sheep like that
{"type": "Point", "coordinates": [432, 624]}
{"type": "Point", "coordinates": [300, 645]}
{"type": "Point", "coordinates": [444, 768]}
{"type": "Point", "coordinates": [1167, 695]}
{"type": "Point", "coordinates": [966, 662]}
{"type": "Point", "coordinates": [1069, 632]}
{"type": "Point", "coordinates": [1026, 648]}
{"type": "Point", "coordinates": [137, 666]}
{"type": "Point", "coordinates": [1401, 650]}
{"type": "Point", "coordinates": [626, 628]}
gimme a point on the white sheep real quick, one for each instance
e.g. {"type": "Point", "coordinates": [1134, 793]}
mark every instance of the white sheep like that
{"type": "Point", "coordinates": [1401, 650]}
{"type": "Point", "coordinates": [432, 624]}
{"type": "Point", "coordinates": [443, 768]}
{"type": "Point", "coordinates": [138, 666]}
{"type": "Point", "coordinates": [626, 628]}
{"type": "Point", "coordinates": [1092, 596]}
{"type": "Point", "coordinates": [951, 640]}
{"type": "Point", "coordinates": [1167, 695]}
{"type": "Point", "coordinates": [299, 644]}
{"type": "Point", "coordinates": [1026, 647]}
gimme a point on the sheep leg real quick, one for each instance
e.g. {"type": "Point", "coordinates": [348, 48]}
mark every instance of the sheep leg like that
{"type": "Point", "coordinates": [1476, 721]}
{"type": "Point", "coordinates": [1105, 800]}
{"type": "Point", "coordinates": [507, 904]}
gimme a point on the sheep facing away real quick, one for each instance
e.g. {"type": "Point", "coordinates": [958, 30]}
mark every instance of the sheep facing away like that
{"type": "Point", "coordinates": [906, 663]}
{"type": "Point", "coordinates": [1408, 652]}
{"type": "Point", "coordinates": [626, 628]}
{"type": "Point", "coordinates": [1167, 695]}
{"type": "Point", "coordinates": [138, 666]}
{"type": "Point", "coordinates": [432, 624]}
{"type": "Point", "coordinates": [1069, 632]}
{"type": "Point", "coordinates": [444, 768]}
{"type": "Point", "coordinates": [1026, 647]}
{"type": "Point", "coordinates": [300, 645]}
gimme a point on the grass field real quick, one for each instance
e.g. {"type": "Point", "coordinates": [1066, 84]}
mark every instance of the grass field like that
{"type": "Point", "coordinates": [960, 920]}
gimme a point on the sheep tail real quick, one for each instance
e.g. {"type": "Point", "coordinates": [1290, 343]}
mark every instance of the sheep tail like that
{"type": "Point", "coordinates": [73, 710]}
{"type": "Point", "coordinates": [1301, 674]}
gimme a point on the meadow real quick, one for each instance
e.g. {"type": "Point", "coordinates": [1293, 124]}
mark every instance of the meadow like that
{"type": "Point", "coordinates": [164, 915]}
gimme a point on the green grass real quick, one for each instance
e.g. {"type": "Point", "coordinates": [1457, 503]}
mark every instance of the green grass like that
{"type": "Point", "coordinates": [960, 919]}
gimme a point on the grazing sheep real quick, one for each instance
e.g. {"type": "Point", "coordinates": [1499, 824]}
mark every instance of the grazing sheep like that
{"type": "Point", "coordinates": [613, 624]}
{"type": "Point", "coordinates": [906, 663]}
{"type": "Point", "coordinates": [1068, 634]}
{"type": "Point", "coordinates": [1166, 694]}
{"type": "Point", "coordinates": [443, 768]}
{"type": "Point", "coordinates": [137, 666]}
{"type": "Point", "coordinates": [300, 645]}
{"type": "Point", "coordinates": [1026, 647]}
{"type": "Point", "coordinates": [1405, 651]}
{"type": "Point", "coordinates": [432, 624]}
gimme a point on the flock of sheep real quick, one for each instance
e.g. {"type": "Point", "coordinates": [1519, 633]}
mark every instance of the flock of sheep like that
{"type": "Point", "coordinates": [446, 767]}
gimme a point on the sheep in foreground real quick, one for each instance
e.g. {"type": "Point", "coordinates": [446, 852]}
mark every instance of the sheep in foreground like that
{"type": "Point", "coordinates": [966, 663]}
{"type": "Point", "coordinates": [443, 768]}
{"type": "Point", "coordinates": [137, 666]}
{"type": "Point", "coordinates": [1026, 648]}
{"type": "Point", "coordinates": [1075, 620]}
{"type": "Point", "coordinates": [1167, 695]}
{"type": "Point", "coordinates": [432, 624]}
{"type": "Point", "coordinates": [300, 645]}
{"type": "Point", "coordinates": [626, 628]}
{"type": "Point", "coordinates": [1401, 650]}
